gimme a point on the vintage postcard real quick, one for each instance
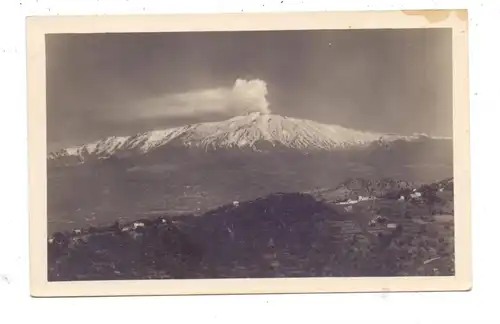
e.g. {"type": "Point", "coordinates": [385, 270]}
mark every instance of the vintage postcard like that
{"type": "Point", "coordinates": [249, 153]}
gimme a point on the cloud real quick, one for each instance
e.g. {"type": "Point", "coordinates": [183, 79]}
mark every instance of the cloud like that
{"type": "Point", "coordinates": [243, 97]}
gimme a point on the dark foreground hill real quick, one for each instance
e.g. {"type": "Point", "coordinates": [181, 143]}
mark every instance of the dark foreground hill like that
{"type": "Point", "coordinates": [280, 235]}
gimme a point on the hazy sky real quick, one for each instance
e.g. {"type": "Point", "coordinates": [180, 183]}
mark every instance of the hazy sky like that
{"type": "Point", "coordinates": [100, 85]}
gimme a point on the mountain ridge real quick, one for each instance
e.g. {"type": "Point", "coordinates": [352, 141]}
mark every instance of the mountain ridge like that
{"type": "Point", "coordinates": [242, 132]}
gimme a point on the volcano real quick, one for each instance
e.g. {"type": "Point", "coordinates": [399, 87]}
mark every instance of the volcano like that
{"type": "Point", "coordinates": [244, 132]}
{"type": "Point", "coordinates": [193, 168]}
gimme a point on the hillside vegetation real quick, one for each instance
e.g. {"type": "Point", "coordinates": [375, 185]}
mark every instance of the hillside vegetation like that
{"type": "Point", "coordinates": [404, 230]}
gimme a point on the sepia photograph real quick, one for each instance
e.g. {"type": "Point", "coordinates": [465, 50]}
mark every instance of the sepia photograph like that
{"type": "Point", "coordinates": [248, 153]}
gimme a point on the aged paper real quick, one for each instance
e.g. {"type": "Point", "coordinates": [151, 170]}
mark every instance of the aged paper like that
{"type": "Point", "coordinates": [249, 153]}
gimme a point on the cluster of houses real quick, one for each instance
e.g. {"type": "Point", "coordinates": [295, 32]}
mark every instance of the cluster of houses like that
{"type": "Point", "coordinates": [413, 195]}
{"type": "Point", "coordinates": [382, 221]}
{"type": "Point", "coordinates": [82, 236]}
{"type": "Point", "coordinates": [351, 201]}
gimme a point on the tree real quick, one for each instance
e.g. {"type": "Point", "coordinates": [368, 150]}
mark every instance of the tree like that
{"type": "Point", "coordinates": [405, 192]}
{"type": "Point", "coordinates": [371, 192]}
{"type": "Point", "coordinates": [60, 239]}
{"type": "Point", "coordinates": [429, 196]}
{"type": "Point", "coordinates": [57, 246]}
{"type": "Point", "coordinates": [115, 228]}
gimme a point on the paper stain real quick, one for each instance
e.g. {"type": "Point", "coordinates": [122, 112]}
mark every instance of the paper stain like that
{"type": "Point", "coordinates": [438, 15]}
{"type": "Point", "coordinates": [5, 278]}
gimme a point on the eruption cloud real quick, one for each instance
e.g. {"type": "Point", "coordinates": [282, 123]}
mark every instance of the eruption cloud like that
{"type": "Point", "coordinates": [245, 96]}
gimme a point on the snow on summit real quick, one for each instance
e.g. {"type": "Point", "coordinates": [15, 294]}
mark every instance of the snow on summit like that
{"type": "Point", "coordinates": [244, 131]}
{"type": "Point", "coordinates": [237, 132]}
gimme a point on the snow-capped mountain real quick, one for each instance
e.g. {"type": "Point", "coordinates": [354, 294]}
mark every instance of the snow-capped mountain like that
{"type": "Point", "coordinates": [238, 132]}
{"type": "Point", "coordinates": [201, 166]}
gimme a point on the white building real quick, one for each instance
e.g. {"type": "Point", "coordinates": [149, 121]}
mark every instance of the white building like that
{"type": "Point", "coordinates": [416, 195]}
